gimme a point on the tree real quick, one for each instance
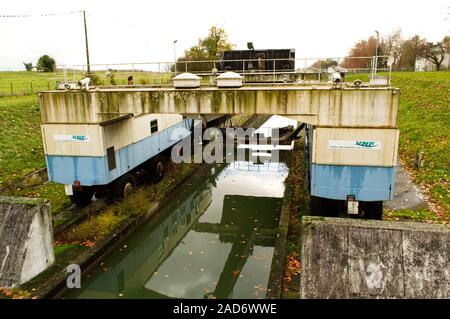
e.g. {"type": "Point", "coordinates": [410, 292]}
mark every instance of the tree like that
{"type": "Point", "coordinates": [363, 48]}
{"type": "Point", "coordinates": [435, 53]}
{"type": "Point", "coordinates": [324, 64]}
{"type": "Point", "coordinates": [446, 43]}
{"type": "Point", "coordinates": [208, 48]}
{"type": "Point", "coordinates": [46, 64]}
{"type": "Point", "coordinates": [28, 66]}
{"type": "Point", "coordinates": [391, 46]}
{"type": "Point", "coordinates": [411, 50]}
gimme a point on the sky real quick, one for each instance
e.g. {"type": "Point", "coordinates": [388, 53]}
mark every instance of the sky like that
{"type": "Point", "coordinates": [144, 31]}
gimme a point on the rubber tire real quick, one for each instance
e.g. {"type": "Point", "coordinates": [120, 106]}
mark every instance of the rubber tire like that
{"type": "Point", "coordinates": [82, 197]}
{"type": "Point", "coordinates": [158, 168]}
{"type": "Point", "coordinates": [124, 186]}
{"type": "Point", "coordinates": [371, 210]}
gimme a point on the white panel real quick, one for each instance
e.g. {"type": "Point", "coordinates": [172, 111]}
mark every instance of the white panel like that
{"type": "Point", "coordinates": [73, 139]}
{"type": "Point", "coordinates": [355, 146]}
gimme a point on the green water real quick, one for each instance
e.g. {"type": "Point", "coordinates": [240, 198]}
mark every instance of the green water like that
{"type": "Point", "coordinates": [215, 239]}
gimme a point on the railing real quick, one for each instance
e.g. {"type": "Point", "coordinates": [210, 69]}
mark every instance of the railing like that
{"type": "Point", "coordinates": [148, 73]}
{"type": "Point", "coordinates": [302, 70]}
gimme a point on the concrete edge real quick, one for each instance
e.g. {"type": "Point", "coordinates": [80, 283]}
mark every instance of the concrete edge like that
{"type": "Point", "coordinates": [378, 224]}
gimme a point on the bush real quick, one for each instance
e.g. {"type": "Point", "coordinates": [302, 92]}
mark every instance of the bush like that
{"type": "Point", "coordinates": [46, 64]}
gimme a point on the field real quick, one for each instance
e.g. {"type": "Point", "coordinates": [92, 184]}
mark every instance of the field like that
{"type": "Point", "coordinates": [27, 83]}
{"type": "Point", "coordinates": [423, 120]}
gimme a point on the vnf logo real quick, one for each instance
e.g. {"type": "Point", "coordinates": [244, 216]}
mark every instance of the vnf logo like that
{"type": "Point", "coordinates": [367, 144]}
{"type": "Point", "coordinates": [74, 278]}
{"type": "Point", "coordinates": [80, 137]}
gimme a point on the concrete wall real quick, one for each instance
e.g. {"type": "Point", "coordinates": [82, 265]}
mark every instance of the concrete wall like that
{"type": "Point", "coordinates": [26, 245]}
{"type": "Point", "coordinates": [350, 258]}
{"type": "Point", "coordinates": [318, 105]}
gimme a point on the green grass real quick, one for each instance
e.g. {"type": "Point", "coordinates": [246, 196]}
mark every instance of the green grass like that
{"type": "Point", "coordinates": [424, 122]}
{"type": "Point", "coordinates": [20, 138]}
{"type": "Point", "coordinates": [25, 83]}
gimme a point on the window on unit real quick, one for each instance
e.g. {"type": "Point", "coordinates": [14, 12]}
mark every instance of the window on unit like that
{"type": "Point", "coordinates": [153, 126]}
{"type": "Point", "coordinates": [111, 158]}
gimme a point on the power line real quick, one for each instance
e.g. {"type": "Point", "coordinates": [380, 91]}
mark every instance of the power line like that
{"type": "Point", "coordinates": [39, 15]}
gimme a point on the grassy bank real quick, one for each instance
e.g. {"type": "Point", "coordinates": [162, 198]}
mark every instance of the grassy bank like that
{"type": "Point", "coordinates": [20, 142]}
{"type": "Point", "coordinates": [424, 122]}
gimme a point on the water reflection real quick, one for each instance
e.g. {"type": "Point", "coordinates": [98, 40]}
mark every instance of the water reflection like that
{"type": "Point", "coordinates": [215, 239]}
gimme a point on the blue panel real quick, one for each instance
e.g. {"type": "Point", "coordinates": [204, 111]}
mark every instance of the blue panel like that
{"type": "Point", "coordinates": [366, 183]}
{"type": "Point", "coordinates": [67, 169]}
{"type": "Point", "coordinates": [94, 170]}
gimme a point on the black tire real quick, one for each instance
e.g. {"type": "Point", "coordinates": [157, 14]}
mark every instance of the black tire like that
{"type": "Point", "coordinates": [157, 169]}
{"type": "Point", "coordinates": [83, 196]}
{"type": "Point", "coordinates": [370, 210]}
{"type": "Point", "coordinates": [124, 186]}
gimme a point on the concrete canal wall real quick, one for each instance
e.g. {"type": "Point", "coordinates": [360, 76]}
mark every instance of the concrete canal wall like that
{"type": "Point", "coordinates": [350, 258]}
{"type": "Point", "coordinates": [26, 245]}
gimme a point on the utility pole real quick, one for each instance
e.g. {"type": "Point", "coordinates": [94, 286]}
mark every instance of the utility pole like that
{"type": "Point", "coordinates": [376, 53]}
{"type": "Point", "coordinates": [175, 55]}
{"type": "Point", "coordinates": [87, 45]}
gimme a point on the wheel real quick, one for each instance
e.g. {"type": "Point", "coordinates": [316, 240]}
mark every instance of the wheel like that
{"type": "Point", "coordinates": [124, 186]}
{"type": "Point", "coordinates": [83, 196]}
{"type": "Point", "coordinates": [157, 169]}
{"type": "Point", "coordinates": [370, 210]}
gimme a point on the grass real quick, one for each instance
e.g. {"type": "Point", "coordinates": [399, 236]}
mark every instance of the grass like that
{"type": "Point", "coordinates": [27, 83]}
{"type": "Point", "coordinates": [20, 142]}
{"type": "Point", "coordinates": [424, 122]}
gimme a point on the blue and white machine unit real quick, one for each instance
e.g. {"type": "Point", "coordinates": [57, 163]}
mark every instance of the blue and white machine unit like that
{"type": "Point", "coordinates": [352, 165]}
{"type": "Point", "coordinates": [86, 156]}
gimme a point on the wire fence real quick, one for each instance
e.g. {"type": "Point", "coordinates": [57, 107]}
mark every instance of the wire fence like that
{"type": "Point", "coordinates": [305, 70]}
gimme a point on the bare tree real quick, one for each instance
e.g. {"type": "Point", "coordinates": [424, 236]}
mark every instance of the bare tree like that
{"type": "Point", "coordinates": [411, 50]}
{"type": "Point", "coordinates": [391, 46]}
{"type": "Point", "coordinates": [435, 53]}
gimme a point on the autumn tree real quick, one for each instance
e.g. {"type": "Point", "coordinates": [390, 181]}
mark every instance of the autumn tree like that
{"type": "Point", "coordinates": [446, 42]}
{"type": "Point", "coordinates": [362, 49]}
{"type": "Point", "coordinates": [207, 48]}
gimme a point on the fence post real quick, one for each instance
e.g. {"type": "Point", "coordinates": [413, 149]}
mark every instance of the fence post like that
{"type": "Point", "coordinates": [31, 85]}
{"type": "Point", "coordinates": [48, 85]}
{"type": "Point", "coordinates": [12, 92]}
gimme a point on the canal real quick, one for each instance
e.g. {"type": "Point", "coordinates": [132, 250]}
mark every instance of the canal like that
{"type": "Point", "coordinates": [215, 239]}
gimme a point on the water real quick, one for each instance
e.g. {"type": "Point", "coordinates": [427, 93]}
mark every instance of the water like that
{"type": "Point", "coordinates": [215, 239]}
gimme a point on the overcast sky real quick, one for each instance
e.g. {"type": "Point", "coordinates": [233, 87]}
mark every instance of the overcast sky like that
{"type": "Point", "coordinates": [143, 31]}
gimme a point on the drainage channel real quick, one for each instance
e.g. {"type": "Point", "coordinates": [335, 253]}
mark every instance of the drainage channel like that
{"type": "Point", "coordinates": [214, 240]}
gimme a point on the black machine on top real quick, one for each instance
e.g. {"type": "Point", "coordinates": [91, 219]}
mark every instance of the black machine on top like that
{"type": "Point", "coordinates": [257, 60]}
